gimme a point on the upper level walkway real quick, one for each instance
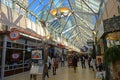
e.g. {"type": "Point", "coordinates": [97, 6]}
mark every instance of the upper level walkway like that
{"type": "Point", "coordinates": [63, 73]}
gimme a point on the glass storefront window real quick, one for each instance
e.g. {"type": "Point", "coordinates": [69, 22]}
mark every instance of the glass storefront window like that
{"type": "Point", "coordinates": [16, 45]}
{"type": "Point", "coordinates": [1, 43]}
{"type": "Point", "coordinates": [18, 55]}
{"type": "Point", "coordinates": [14, 58]}
{"type": "Point", "coordinates": [9, 44]}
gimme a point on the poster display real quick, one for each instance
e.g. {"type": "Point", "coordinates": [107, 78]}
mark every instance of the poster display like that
{"type": "Point", "coordinates": [99, 59]}
{"type": "Point", "coordinates": [37, 62]}
{"type": "Point", "coordinates": [37, 54]}
{"type": "Point", "coordinates": [36, 69]}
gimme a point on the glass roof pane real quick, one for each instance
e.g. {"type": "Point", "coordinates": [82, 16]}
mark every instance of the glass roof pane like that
{"type": "Point", "coordinates": [69, 17]}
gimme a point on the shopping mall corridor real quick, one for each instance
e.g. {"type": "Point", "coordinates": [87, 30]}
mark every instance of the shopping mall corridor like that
{"type": "Point", "coordinates": [63, 73]}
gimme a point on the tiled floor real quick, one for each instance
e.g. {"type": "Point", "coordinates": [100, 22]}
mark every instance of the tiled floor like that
{"type": "Point", "coordinates": [63, 73]}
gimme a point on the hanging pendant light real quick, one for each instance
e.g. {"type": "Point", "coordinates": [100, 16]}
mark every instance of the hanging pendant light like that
{"type": "Point", "coordinates": [60, 11]}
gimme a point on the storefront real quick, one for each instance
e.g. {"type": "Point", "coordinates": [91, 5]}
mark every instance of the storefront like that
{"type": "Point", "coordinates": [112, 31]}
{"type": "Point", "coordinates": [18, 54]}
{"type": "Point", "coordinates": [110, 38]}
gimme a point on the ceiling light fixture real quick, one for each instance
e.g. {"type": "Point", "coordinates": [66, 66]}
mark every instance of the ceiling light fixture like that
{"type": "Point", "coordinates": [63, 11]}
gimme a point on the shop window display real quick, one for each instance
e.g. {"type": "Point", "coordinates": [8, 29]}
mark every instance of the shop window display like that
{"type": "Point", "coordinates": [16, 45]}
{"type": "Point", "coordinates": [9, 45]}
{"type": "Point", "coordinates": [27, 57]}
{"type": "Point", "coordinates": [14, 58]}
{"type": "Point", "coordinates": [18, 56]}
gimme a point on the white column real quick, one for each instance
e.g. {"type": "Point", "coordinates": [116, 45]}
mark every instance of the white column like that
{"type": "Point", "coordinates": [3, 56]}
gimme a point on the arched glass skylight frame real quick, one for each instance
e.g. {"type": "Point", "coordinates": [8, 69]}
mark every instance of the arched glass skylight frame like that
{"type": "Point", "coordinates": [40, 9]}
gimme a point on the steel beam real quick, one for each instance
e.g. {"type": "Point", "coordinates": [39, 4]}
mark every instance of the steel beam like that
{"type": "Point", "coordinates": [68, 29]}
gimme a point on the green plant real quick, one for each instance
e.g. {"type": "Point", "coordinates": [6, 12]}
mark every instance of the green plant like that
{"type": "Point", "coordinates": [111, 55]}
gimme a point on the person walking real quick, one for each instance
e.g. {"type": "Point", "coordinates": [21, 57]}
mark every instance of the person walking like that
{"type": "Point", "coordinates": [93, 64]}
{"type": "Point", "coordinates": [74, 62]}
{"type": "Point", "coordinates": [49, 62]}
{"type": "Point", "coordinates": [45, 71]}
{"type": "Point", "coordinates": [89, 60]}
{"type": "Point", "coordinates": [54, 65]}
{"type": "Point", "coordinates": [62, 61]}
{"type": "Point", "coordinates": [83, 61]}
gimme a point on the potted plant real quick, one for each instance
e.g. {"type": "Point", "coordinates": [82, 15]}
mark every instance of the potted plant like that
{"type": "Point", "coordinates": [111, 56]}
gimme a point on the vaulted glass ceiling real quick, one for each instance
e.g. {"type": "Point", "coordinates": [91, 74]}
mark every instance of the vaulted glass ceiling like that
{"type": "Point", "coordinates": [73, 20]}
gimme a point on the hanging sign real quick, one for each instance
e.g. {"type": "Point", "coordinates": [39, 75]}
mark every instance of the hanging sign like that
{"type": "Point", "coordinates": [99, 59]}
{"type": "Point", "coordinates": [15, 56]}
{"type": "Point", "coordinates": [14, 35]}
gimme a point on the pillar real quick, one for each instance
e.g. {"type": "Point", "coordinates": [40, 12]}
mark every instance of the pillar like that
{"type": "Point", "coordinates": [3, 57]}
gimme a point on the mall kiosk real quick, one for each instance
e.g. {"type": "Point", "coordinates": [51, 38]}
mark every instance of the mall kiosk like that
{"type": "Point", "coordinates": [37, 64]}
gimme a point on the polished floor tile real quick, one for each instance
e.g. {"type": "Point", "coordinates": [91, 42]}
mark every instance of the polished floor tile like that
{"type": "Point", "coordinates": [63, 73]}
